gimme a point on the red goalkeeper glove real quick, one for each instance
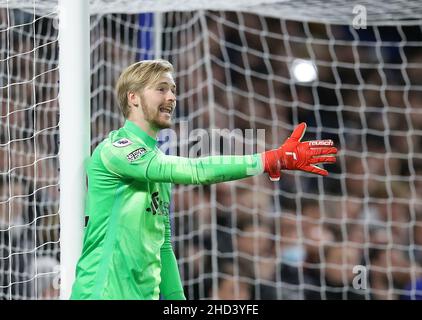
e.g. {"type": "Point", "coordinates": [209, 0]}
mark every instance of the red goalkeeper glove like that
{"type": "Point", "coordinates": [296, 155]}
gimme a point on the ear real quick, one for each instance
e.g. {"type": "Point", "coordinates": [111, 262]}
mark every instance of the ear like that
{"type": "Point", "coordinates": [133, 99]}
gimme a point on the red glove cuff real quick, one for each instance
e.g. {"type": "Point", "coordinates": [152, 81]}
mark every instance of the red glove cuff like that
{"type": "Point", "coordinates": [273, 164]}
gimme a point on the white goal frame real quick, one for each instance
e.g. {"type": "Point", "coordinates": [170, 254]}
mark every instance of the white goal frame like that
{"type": "Point", "coordinates": [74, 151]}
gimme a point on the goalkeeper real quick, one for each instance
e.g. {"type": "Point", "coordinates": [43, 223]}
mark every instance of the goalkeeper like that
{"type": "Point", "coordinates": [127, 252]}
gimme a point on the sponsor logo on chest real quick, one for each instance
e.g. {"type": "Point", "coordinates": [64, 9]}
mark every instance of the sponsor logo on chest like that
{"type": "Point", "coordinates": [158, 206]}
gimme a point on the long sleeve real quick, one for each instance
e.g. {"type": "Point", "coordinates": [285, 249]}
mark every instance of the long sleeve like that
{"type": "Point", "coordinates": [154, 166]}
{"type": "Point", "coordinates": [171, 285]}
{"type": "Point", "coordinates": [205, 170]}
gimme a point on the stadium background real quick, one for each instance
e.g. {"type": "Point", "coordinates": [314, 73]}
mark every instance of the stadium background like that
{"type": "Point", "coordinates": [250, 239]}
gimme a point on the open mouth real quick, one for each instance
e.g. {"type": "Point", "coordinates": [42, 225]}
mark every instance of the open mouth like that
{"type": "Point", "coordinates": [166, 110]}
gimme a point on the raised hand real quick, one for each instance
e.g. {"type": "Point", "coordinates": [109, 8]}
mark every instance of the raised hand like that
{"type": "Point", "coordinates": [297, 155]}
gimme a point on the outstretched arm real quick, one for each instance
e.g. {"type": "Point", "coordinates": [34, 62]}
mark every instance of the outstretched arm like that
{"type": "Point", "coordinates": [154, 166]}
{"type": "Point", "coordinates": [157, 167]}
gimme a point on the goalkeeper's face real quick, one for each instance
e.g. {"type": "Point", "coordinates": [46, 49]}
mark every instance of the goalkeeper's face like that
{"type": "Point", "coordinates": [158, 102]}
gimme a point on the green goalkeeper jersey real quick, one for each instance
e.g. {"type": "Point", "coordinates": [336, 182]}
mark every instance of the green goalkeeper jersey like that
{"type": "Point", "coordinates": [127, 252]}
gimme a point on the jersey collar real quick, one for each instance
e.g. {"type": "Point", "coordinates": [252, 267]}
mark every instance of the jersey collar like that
{"type": "Point", "coordinates": [134, 129]}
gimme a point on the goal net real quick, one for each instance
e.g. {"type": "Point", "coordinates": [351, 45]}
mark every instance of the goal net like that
{"type": "Point", "coordinates": [351, 70]}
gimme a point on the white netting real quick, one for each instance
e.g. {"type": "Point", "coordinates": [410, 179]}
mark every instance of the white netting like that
{"type": "Point", "coordinates": [28, 155]}
{"type": "Point", "coordinates": [300, 238]}
{"type": "Point", "coordinates": [379, 12]}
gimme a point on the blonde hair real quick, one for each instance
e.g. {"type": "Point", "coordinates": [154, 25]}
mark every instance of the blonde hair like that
{"type": "Point", "coordinates": [138, 76]}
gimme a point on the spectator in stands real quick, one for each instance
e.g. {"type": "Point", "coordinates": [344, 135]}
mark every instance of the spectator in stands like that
{"type": "Point", "coordinates": [340, 259]}
{"type": "Point", "coordinates": [233, 283]}
{"type": "Point", "coordinates": [16, 245]}
{"type": "Point", "coordinates": [254, 246]}
{"type": "Point", "coordinates": [47, 269]}
{"type": "Point", "coordinates": [315, 238]}
{"type": "Point", "coordinates": [292, 255]}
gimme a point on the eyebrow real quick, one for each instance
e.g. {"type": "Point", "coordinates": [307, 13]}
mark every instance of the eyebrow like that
{"type": "Point", "coordinates": [167, 83]}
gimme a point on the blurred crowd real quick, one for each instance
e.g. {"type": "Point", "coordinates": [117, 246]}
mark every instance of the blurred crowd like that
{"type": "Point", "coordinates": [355, 234]}
{"type": "Point", "coordinates": [300, 238]}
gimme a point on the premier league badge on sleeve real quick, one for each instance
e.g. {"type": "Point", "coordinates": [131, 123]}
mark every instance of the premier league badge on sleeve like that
{"type": "Point", "coordinates": [122, 143]}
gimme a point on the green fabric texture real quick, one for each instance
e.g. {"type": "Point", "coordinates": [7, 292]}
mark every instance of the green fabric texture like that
{"type": "Point", "coordinates": [127, 251]}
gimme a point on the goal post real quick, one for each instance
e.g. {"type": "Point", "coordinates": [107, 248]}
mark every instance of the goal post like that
{"type": "Point", "coordinates": [75, 137]}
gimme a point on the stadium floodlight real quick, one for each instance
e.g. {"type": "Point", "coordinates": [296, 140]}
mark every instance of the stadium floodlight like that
{"type": "Point", "coordinates": [304, 71]}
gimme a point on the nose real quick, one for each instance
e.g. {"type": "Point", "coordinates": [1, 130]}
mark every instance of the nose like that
{"type": "Point", "coordinates": [171, 96]}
